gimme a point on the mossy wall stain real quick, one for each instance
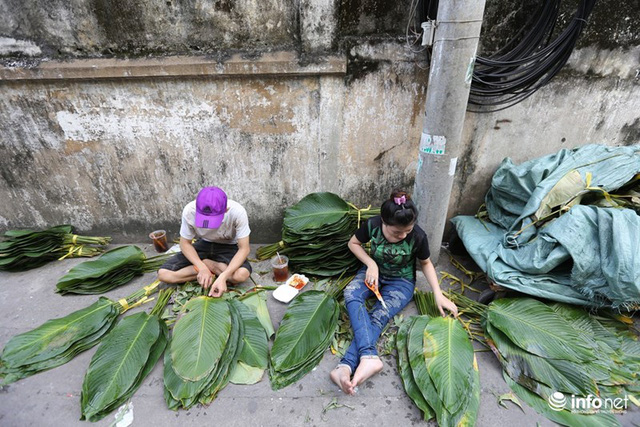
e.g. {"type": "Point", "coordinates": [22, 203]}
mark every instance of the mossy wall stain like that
{"type": "Point", "coordinates": [630, 133]}
{"type": "Point", "coordinates": [611, 25]}
{"type": "Point", "coordinates": [121, 21]}
{"type": "Point", "coordinates": [373, 17]}
{"type": "Point", "coordinates": [90, 28]}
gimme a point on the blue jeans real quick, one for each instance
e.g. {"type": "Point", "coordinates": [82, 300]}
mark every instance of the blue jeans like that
{"type": "Point", "coordinates": [366, 326]}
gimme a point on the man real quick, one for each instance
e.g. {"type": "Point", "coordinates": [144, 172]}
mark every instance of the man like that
{"type": "Point", "coordinates": [222, 248]}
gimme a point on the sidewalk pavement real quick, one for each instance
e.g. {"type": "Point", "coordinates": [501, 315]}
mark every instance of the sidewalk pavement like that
{"type": "Point", "coordinates": [52, 398]}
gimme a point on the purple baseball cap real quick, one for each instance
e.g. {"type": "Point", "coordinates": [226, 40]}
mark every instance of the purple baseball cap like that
{"type": "Point", "coordinates": [211, 205]}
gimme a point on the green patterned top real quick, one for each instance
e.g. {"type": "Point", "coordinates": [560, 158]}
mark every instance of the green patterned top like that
{"type": "Point", "coordinates": [394, 259]}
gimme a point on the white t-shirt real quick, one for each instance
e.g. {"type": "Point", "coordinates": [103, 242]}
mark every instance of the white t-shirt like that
{"type": "Point", "coordinates": [235, 225]}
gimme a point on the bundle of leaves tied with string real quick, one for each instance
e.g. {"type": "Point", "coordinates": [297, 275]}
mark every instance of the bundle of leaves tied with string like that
{"type": "Point", "coordinates": [57, 341]}
{"type": "Point", "coordinates": [26, 249]}
{"type": "Point", "coordinates": [123, 360]}
{"type": "Point", "coordinates": [315, 232]}
{"type": "Point", "coordinates": [114, 268]}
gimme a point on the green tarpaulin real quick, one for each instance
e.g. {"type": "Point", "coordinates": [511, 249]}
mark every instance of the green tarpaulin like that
{"type": "Point", "coordinates": [588, 255]}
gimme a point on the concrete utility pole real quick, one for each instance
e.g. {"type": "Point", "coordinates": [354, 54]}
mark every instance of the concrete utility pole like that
{"type": "Point", "coordinates": [454, 50]}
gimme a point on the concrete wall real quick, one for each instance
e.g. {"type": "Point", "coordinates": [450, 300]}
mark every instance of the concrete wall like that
{"type": "Point", "coordinates": [114, 113]}
{"type": "Point", "coordinates": [121, 156]}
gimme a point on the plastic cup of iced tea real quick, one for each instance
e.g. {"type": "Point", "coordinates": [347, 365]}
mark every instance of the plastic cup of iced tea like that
{"type": "Point", "coordinates": [280, 265]}
{"type": "Point", "coordinates": [159, 238]}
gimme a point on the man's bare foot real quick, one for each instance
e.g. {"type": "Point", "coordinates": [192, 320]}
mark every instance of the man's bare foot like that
{"type": "Point", "coordinates": [341, 375]}
{"type": "Point", "coordinates": [368, 367]}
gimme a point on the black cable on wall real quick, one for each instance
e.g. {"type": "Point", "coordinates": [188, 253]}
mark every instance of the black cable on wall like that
{"type": "Point", "coordinates": [527, 62]}
{"type": "Point", "coordinates": [517, 71]}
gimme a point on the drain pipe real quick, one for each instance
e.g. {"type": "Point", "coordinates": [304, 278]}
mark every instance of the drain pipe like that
{"type": "Point", "coordinates": [454, 50]}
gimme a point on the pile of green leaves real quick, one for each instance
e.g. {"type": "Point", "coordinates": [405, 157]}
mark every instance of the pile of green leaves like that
{"type": "Point", "coordinates": [114, 268]}
{"type": "Point", "coordinates": [306, 331]}
{"type": "Point", "coordinates": [123, 360]}
{"type": "Point", "coordinates": [438, 369]}
{"type": "Point", "coordinates": [25, 249]}
{"type": "Point", "coordinates": [256, 300]}
{"type": "Point", "coordinates": [57, 341]}
{"type": "Point", "coordinates": [254, 357]}
{"type": "Point", "coordinates": [315, 233]}
{"type": "Point", "coordinates": [544, 349]}
{"type": "Point", "coordinates": [211, 338]}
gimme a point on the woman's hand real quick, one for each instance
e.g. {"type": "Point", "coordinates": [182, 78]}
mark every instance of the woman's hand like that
{"type": "Point", "coordinates": [443, 302]}
{"type": "Point", "coordinates": [372, 275]}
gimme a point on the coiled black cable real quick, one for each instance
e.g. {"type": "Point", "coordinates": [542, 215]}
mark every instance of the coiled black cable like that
{"type": "Point", "coordinates": [510, 76]}
{"type": "Point", "coordinates": [526, 63]}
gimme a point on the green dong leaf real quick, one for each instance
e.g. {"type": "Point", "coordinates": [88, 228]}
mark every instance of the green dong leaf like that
{"type": "Point", "coordinates": [199, 337]}
{"type": "Point", "coordinates": [118, 363]}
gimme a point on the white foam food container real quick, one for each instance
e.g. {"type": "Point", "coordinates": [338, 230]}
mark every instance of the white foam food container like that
{"type": "Point", "coordinates": [287, 291]}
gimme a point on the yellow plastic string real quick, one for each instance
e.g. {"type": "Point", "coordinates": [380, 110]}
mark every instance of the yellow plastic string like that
{"type": "Point", "coordinates": [281, 244]}
{"type": "Point", "coordinates": [74, 240]}
{"type": "Point", "coordinates": [624, 319]}
{"type": "Point", "coordinates": [606, 195]}
{"type": "Point", "coordinates": [68, 254]}
{"type": "Point", "coordinates": [368, 208]}
{"type": "Point", "coordinates": [150, 288]}
{"type": "Point", "coordinates": [141, 301]}
{"type": "Point", "coordinates": [126, 306]}
{"type": "Point", "coordinates": [360, 211]}
{"type": "Point", "coordinates": [80, 251]}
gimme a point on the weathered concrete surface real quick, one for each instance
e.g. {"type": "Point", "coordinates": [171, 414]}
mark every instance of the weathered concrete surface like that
{"type": "Point", "coordinates": [109, 155]}
{"type": "Point", "coordinates": [317, 25]}
{"type": "Point", "coordinates": [381, 122]}
{"type": "Point", "coordinates": [281, 64]}
{"type": "Point", "coordinates": [99, 27]}
{"type": "Point", "coordinates": [51, 398]}
{"type": "Point", "coordinates": [191, 100]}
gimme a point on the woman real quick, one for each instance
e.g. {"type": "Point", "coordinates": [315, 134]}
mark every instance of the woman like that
{"type": "Point", "coordinates": [396, 242]}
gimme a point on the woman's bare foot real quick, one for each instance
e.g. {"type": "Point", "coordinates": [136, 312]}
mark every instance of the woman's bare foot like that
{"type": "Point", "coordinates": [341, 375]}
{"type": "Point", "coordinates": [368, 367]}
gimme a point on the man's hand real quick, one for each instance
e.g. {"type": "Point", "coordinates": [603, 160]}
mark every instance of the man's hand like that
{"type": "Point", "coordinates": [205, 277]}
{"type": "Point", "coordinates": [219, 287]}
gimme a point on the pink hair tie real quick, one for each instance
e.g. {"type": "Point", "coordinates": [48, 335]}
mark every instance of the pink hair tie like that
{"type": "Point", "coordinates": [400, 200]}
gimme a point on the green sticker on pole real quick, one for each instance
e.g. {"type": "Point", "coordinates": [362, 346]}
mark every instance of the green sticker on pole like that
{"type": "Point", "coordinates": [469, 76]}
{"type": "Point", "coordinates": [433, 144]}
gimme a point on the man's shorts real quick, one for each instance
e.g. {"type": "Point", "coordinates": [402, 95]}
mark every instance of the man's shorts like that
{"type": "Point", "coordinates": [219, 252]}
